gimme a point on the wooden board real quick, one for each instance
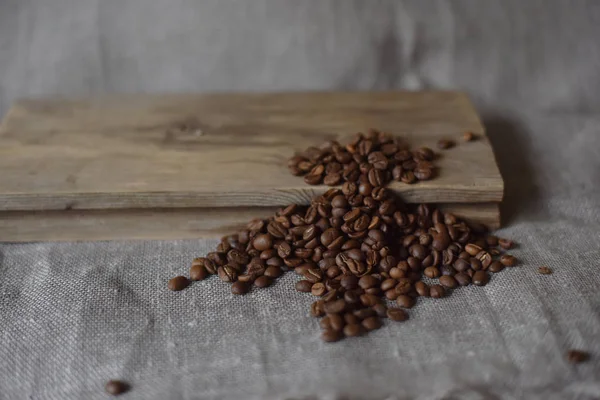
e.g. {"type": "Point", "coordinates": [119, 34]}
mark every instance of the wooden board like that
{"type": "Point", "coordinates": [183, 223]}
{"type": "Point", "coordinates": [221, 150]}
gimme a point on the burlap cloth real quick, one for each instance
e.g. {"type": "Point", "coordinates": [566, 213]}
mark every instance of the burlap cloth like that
{"type": "Point", "coordinates": [73, 315]}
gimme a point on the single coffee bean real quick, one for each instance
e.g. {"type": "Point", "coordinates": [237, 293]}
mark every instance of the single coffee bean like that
{"type": "Point", "coordinates": [445, 144]}
{"type": "Point", "coordinates": [318, 289]}
{"type": "Point", "coordinates": [391, 294]}
{"type": "Point", "coordinates": [368, 300]}
{"type": "Point", "coordinates": [178, 283]}
{"type": "Point", "coordinates": [303, 286]}
{"type": "Point", "coordinates": [368, 281]}
{"type": "Point", "coordinates": [325, 323]}
{"type": "Point", "coordinates": [405, 301]}
{"type": "Point", "coordinates": [431, 272]}
{"type": "Point", "coordinates": [481, 278]}
{"type": "Point", "coordinates": [388, 284]}
{"type": "Point", "coordinates": [352, 330]}
{"type": "Point", "coordinates": [331, 335]}
{"type": "Point", "coordinates": [262, 242]}
{"type": "Point", "coordinates": [422, 289]}
{"type": "Point", "coordinates": [350, 318]}
{"type": "Point", "coordinates": [506, 244]}
{"type": "Point", "coordinates": [351, 297]}
{"type": "Point", "coordinates": [380, 309]}
{"type": "Point", "coordinates": [496, 266]}
{"type": "Point", "coordinates": [371, 323]}
{"type": "Point", "coordinates": [508, 260]}
{"type": "Point", "coordinates": [273, 272]}
{"type": "Point", "coordinates": [335, 306]}
{"type": "Point", "coordinates": [364, 313]}
{"type": "Point", "coordinates": [472, 249]}
{"type": "Point", "coordinates": [349, 282]}
{"type": "Point", "coordinates": [461, 265]}
{"type": "Point", "coordinates": [577, 356]}
{"type": "Point", "coordinates": [239, 288]}
{"type": "Point", "coordinates": [462, 279]}
{"type": "Point", "coordinates": [404, 286]}
{"type": "Point", "coordinates": [447, 270]}
{"type": "Point", "coordinates": [262, 281]}
{"type": "Point", "coordinates": [198, 272]}
{"type": "Point", "coordinates": [448, 282]}
{"type": "Point", "coordinates": [544, 270]}
{"type": "Point", "coordinates": [115, 388]}
{"type": "Point", "coordinates": [397, 273]}
{"type": "Point", "coordinates": [437, 291]}
{"type": "Point", "coordinates": [336, 322]}
{"type": "Point", "coordinates": [397, 314]}
{"type": "Point", "coordinates": [316, 308]}
{"type": "Point", "coordinates": [476, 264]}
{"type": "Point", "coordinates": [228, 273]}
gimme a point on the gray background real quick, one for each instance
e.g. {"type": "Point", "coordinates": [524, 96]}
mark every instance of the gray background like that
{"type": "Point", "coordinates": [75, 315]}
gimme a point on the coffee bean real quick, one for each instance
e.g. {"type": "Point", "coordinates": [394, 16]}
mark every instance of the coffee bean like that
{"type": "Point", "coordinates": [404, 286]}
{"type": "Point", "coordinates": [388, 284]}
{"type": "Point", "coordinates": [445, 144]}
{"type": "Point", "coordinates": [506, 244]}
{"type": "Point", "coordinates": [397, 273]}
{"type": "Point", "coordinates": [351, 297]}
{"type": "Point", "coordinates": [239, 288]}
{"type": "Point", "coordinates": [422, 289]}
{"type": "Point", "coordinates": [227, 273]}
{"type": "Point", "coordinates": [336, 322]}
{"type": "Point", "coordinates": [368, 281]}
{"type": "Point", "coordinates": [273, 272]}
{"type": "Point", "coordinates": [262, 242]}
{"type": "Point", "coordinates": [468, 136]}
{"type": "Point", "coordinates": [331, 335]}
{"type": "Point", "coordinates": [380, 309]}
{"type": "Point", "coordinates": [431, 272]}
{"type": "Point", "coordinates": [368, 300]}
{"type": "Point", "coordinates": [371, 323]}
{"type": "Point", "coordinates": [437, 291]}
{"type": "Point", "coordinates": [335, 306]}
{"type": "Point", "coordinates": [577, 356]}
{"type": "Point", "coordinates": [544, 270]}
{"type": "Point", "coordinates": [496, 266]}
{"type": "Point", "coordinates": [462, 279]}
{"type": "Point", "coordinates": [448, 282]}
{"type": "Point", "coordinates": [352, 330]}
{"type": "Point", "coordinates": [447, 270]}
{"type": "Point", "coordinates": [316, 308]}
{"type": "Point", "coordinates": [115, 388]}
{"type": "Point", "coordinates": [461, 265]}
{"type": "Point", "coordinates": [508, 260]}
{"type": "Point", "coordinates": [198, 272]}
{"type": "Point", "coordinates": [178, 283]}
{"type": "Point", "coordinates": [364, 313]}
{"type": "Point", "coordinates": [318, 289]}
{"type": "Point", "coordinates": [391, 294]}
{"type": "Point", "coordinates": [262, 281]}
{"type": "Point", "coordinates": [304, 286]}
{"type": "Point", "coordinates": [472, 249]}
{"type": "Point", "coordinates": [405, 301]}
{"type": "Point", "coordinates": [481, 278]}
{"type": "Point", "coordinates": [349, 282]}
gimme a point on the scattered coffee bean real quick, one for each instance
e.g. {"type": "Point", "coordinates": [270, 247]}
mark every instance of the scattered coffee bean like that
{"type": "Point", "coordinates": [405, 301]}
{"type": "Point", "coordinates": [481, 278]}
{"type": "Point", "coordinates": [544, 270]}
{"type": "Point", "coordinates": [506, 244]}
{"type": "Point", "coordinates": [304, 286]}
{"type": "Point", "coordinates": [239, 288]}
{"type": "Point", "coordinates": [496, 266]}
{"type": "Point", "coordinates": [437, 291]}
{"type": "Point", "coordinates": [380, 309]}
{"type": "Point", "coordinates": [330, 335]}
{"type": "Point", "coordinates": [508, 260]}
{"type": "Point", "coordinates": [463, 279]}
{"type": "Point", "coordinates": [577, 356]}
{"type": "Point", "coordinates": [445, 144]}
{"type": "Point", "coordinates": [178, 283]}
{"type": "Point", "coordinates": [262, 281]}
{"type": "Point", "coordinates": [448, 282]}
{"type": "Point", "coordinates": [371, 323]}
{"type": "Point", "coordinates": [115, 388]}
{"type": "Point", "coordinates": [318, 289]}
{"type": "Point", "coordinates": [397, 314]}
{"type": "Point", "coordinates": [352, 330]}
{"type": "Point", "coordinates": [198, 272]}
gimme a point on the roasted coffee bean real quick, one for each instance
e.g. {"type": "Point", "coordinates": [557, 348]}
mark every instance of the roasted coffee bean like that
{"type": "Point", "coordinates": [350, 318]}
{"type": "Point", "coordinates": [391, 294]}
{"type": "Point", "coordinates": [228, 273]}
{"type": "Point", "coordinates": [336, 322]}
{"type": "Point", "coordinates": [462, 279]}
{"type": "Point", "coordinates": [577, 356]}
{"type": "Point", "coordinates": [331, 335]}
{"type": "Point", "coordinates": [237, 257]}
{"type": "Point", "coordinates": [422, 289]}
{"type": "Point", "coordinates": [476, 264]}
{"type": "Point", "coordinates": [351, 297]}
{"type": "Point", "coordinates": [397, 314]}
{"type": "Point", "coordinates": [448, 282]}
{"type": "Point", "coordinates": [262, 281]}
{"type": "Point", "coordinates": [472, 249]}
{"type": "Point", "coordinates": [468, 136]}
{"type": "Point", "coordinates": [445, 144]}
{"type": "Point", "coordinates": [304, 286]}
{"type": "Point", "coordinates": [239, 288]}
{"type": "Point", "coordinates": [437, 291]}
{"type": "Point", "coordinates": [506, 244]}
{"type": "Point", "coordinates": [544, 270]}
{"type": "Point", "coordinates": [461, 265]}
{"type": "Point", "coordinates": [404, 286]}
{"type": "Point", "coordinates": [284, 250]}
{"type": "Point", "coordinates": [352, 330]}
{"type": "Point", "coordinates": [316, 308]}
{"type": "Point", "coordinates": [447, 270]}
{"type": "Point", "coordinates": [431, 272]}
{"type": "Point", "coordinates": [485, 258]}
{"type": "Point", "coordinates": [335, 306]}
{"type": "Point", "coordinates": [178, 283]}
{"type": "Point", "coordinates": [508, 260]}
{"type": "Point", "coordinates": [368, 300]}
{"type": "Point", "coordinates": [380, 309]}
{"type": "Point", "coordinates": [198, 272]}
{"type": "Point", "coordinates": [312, 275]}
{"type": "Point", "coordinates": [318, 289]}
{"type": "Point", "coordinates": [325, 323]}
{"type": "Point", "coordinates": [368, 281]}
{"type": "Point", "coordinates": [408, 177]}
{"type": "Point", "coordinates": [397, 273]}
{"type": "Point", "coordinates": [364, 313]}
{"type": "Point", "coordinates": [405, 301]}
{"type": "Point", "coordinates": [115, 388]}
{"type": "Point", "coordinates": [371, 323]}
{"type": "Point", "coordinates": [481, 278]}
{"type": "Point", "coordinates": [349, 282]}
{"type": "Point", "coordinates": [262, 242]}
{"type": "Point", "coordinates": [388, 284]}
{"type": "Point", "coordinates": [496, 266]}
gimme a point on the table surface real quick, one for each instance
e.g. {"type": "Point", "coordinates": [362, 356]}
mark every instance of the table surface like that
{"type": "Point", "coordinates": [74, 315]}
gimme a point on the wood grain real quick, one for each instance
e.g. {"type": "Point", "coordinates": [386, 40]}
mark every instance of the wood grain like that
{"type": "Point", "coordinates": [221, 150]}
{"type": "Point", "coordinates": [88, 225]}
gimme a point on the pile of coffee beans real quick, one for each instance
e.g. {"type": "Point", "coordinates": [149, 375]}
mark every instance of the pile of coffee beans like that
{"type": "Point", "coordinates": [358, 249]}
{"type": "Point", "coordinates": [374, 159]}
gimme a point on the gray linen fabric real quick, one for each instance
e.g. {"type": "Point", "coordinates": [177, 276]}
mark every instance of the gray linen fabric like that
{"type": "Point", "coordinates": [73, 315]}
